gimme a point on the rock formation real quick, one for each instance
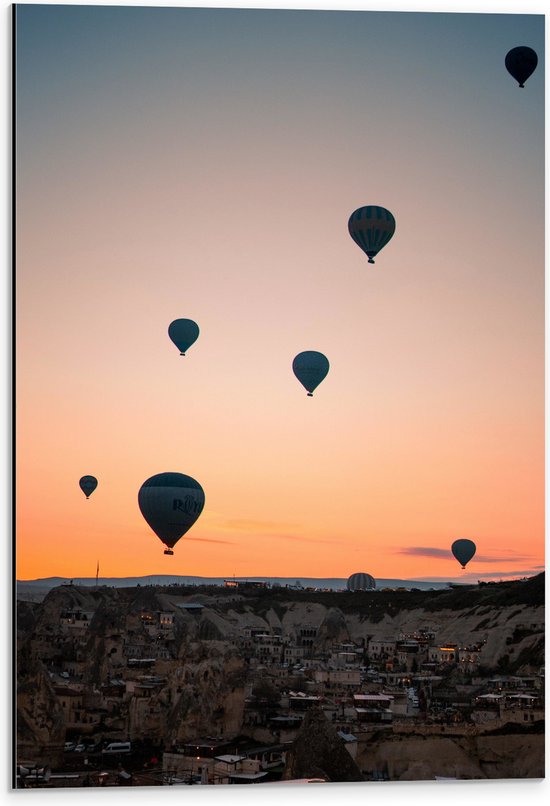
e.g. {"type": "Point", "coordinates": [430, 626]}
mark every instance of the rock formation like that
{"type": "Point", "coordinates": [318, 752]}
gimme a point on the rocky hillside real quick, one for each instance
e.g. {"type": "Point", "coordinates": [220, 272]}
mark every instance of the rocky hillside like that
{"type": "Point", "coordinates": [508, 617]}
{"type": "Point", "coordinates": [423, 757]}
{"type": "Point", "coordinates": [202, 674]}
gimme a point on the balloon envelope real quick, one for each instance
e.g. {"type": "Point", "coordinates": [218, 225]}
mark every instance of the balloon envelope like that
{"type": "Point", "coordinates": [463, 551]}
{"type": "Point", "coordinates": [183, 332]}
{"type": "Point", "coordinates": [88, 484]}
{"type": "Point", "coordinates": [361, 582]}
{"type": "Point", "coordinates": [371, 228]}
{"type": "Point", "coordinates": [310, 367]}
{"type": "Point", "coordinates": [170, 503]}
{"type": "Point", "coordinates": [521, 62]}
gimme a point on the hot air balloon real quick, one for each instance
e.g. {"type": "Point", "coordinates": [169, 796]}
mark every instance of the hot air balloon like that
{"type": "Point", "coordinates": [361, 582]}
{"type": "Point", "coordinates": [310, 367]}
{"type": "Point", "coordinates": [371, 228]}
{"type": "Point", "coordinates": [463, 551]}
{"type": "Point", "coordinates": [184, 333]}
{"type": "Point", "coordinates": [87, 485]}
{"type": "Point", "coordinates": [170, 503]}
{"type": "Point", "coordinates": [520, 63]}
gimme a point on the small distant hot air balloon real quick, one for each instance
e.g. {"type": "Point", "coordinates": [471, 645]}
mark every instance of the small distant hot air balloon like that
{"type": "Point", "coordinates": [463, 551]}
{"type": "Point", "coordinates": [310, 367]}
{"type": "Point", "coordinates": [371, 228]}
{"type": "Point", "coordinates": [88, 484]}
{"type": "Point", "coordinates": [184, 333]}
{"type": "Point", "coordinates": [521, 63]}
{"type": "Point", "coordinates": [361, 582]}
{"type": "Point", "coordinates": [170, 503]}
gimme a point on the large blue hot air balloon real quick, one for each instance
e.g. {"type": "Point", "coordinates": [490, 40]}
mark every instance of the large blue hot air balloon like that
{"type": "Point", "coordinates": [463, 551]}
{"type": "Point", "coordinates": [310, 367]}
{"type": "Point", "coordinates": [361, 582]}
{"type": "Point", "coordinates": [170, 503]}
{"type": "Point", "coordinates": [371, 228]}
{"type": "Point", "coordinates": [521, 63]}
{"type": "Point", "coordinates": [184, 333]}
{"type": "Point", "coordinates": [88, 484]}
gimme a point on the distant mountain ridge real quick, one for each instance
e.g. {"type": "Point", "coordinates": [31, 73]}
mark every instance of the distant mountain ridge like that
{"type": "Point", "coordinates": [335, 583]}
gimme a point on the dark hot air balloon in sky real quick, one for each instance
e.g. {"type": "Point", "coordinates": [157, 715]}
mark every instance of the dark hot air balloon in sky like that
{"type": "Point", "coordinates": [170, 503]}
{"type": "Point", "coordinates": [361, 582]}
{"type": "Point", "coordinates": [371, 228]}
{"type": "Point", "coordinates": [310, 367]}
{"type": "Point", "coordinates": [87, 484]}
{"type": "Point", "coordinates": [463, 550]}
{"type": "Point", "coordinates": [184, 333]}
{"type": "Point", "coordinates": [520, 63]}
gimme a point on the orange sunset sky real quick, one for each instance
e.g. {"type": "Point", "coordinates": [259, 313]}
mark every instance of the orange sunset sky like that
{"type": "Point", "coordinates": [203, 163]}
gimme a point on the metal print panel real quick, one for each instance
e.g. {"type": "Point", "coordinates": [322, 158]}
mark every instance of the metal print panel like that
{"type": "Point", "coordinates": [280, 396]}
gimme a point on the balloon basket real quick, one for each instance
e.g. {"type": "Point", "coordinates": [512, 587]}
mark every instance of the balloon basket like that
{"type": "Point", "coordinates": [168, 551]}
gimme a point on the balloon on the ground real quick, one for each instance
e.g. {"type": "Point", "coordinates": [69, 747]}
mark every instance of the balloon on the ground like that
{"type": "Point", "coordinates": [170, 503]}
{"type": "Point", "coordinates": [371, 228]}
{"type": "Point", "coordinates": [310, 367]}
{"type": "Point", "coordinates": [88, 484]}
{"type": "Point", "coordinates": [463, 550]}
{"type": "Point", "coordinates": [184, 333]}
{"type": "Point", "coordinates": [521, 63]}
{"type": "Point", "coordinates": [361, 582]}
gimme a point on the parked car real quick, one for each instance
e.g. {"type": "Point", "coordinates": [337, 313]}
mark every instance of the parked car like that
{"type": "Point", "coordinates": [118, 747]}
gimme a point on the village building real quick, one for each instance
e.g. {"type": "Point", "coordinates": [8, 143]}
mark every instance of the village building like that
{"type": "Point", "coordinates": [337, 678]}
{"type": "Point", "coordinates": [379, 649]}
{"type": "Point", "coordinates": [373, 708]}
{"type": "Point", "coordinates": [447, 653]}
{"type": "Point", "coordinates": [76, 622]}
